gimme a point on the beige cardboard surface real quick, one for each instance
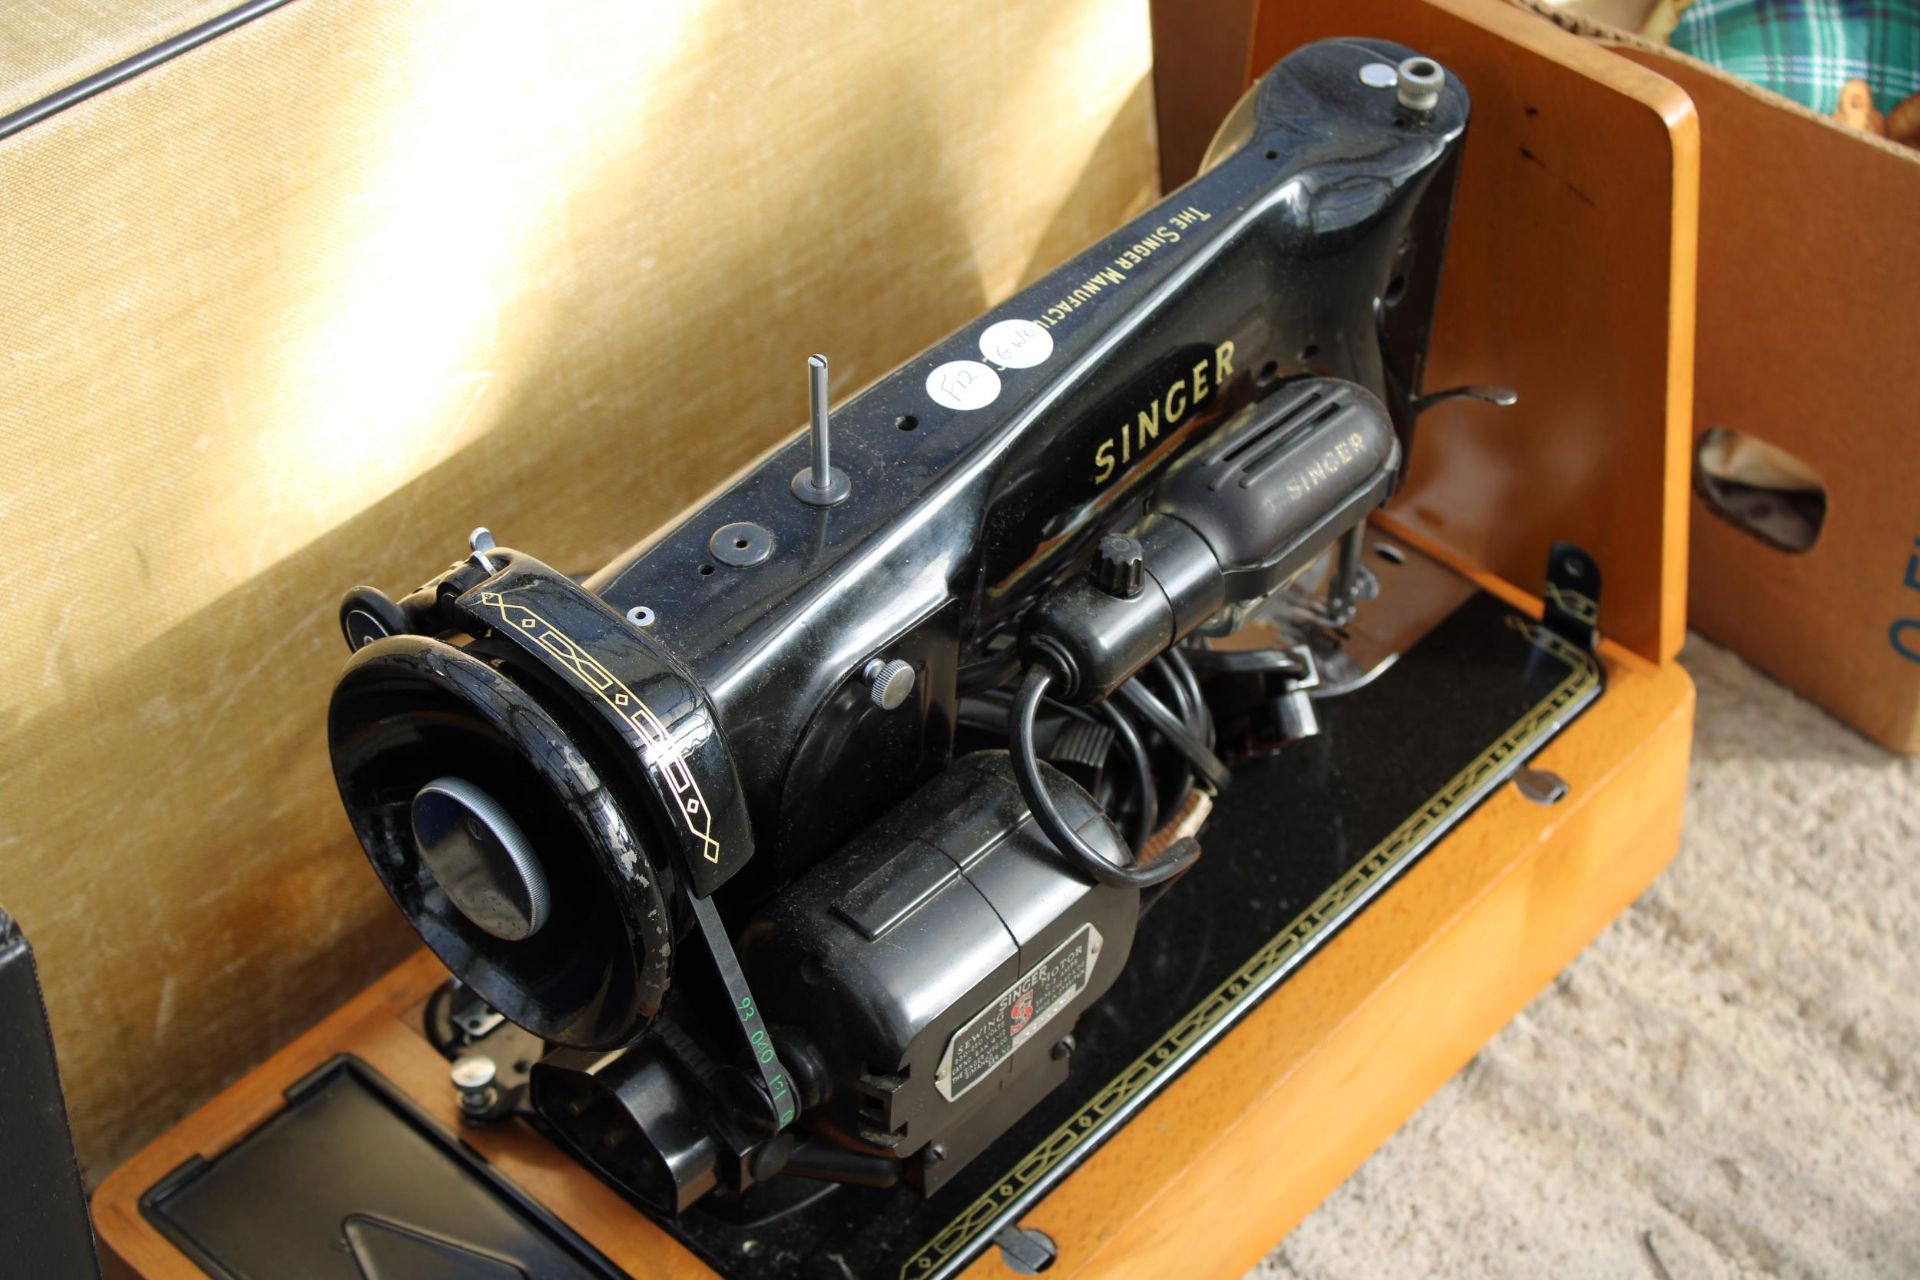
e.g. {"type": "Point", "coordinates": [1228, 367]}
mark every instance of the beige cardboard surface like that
{"type": "Point", "coordinates": [301, 307]}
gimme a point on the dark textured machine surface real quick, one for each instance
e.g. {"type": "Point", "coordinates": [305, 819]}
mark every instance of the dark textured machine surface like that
{"type": "Point", "coordinates": [44, 1230]}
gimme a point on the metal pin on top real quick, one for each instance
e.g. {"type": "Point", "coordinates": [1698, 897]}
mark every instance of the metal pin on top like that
{"type": "Point", "coordinates": [818, 483]}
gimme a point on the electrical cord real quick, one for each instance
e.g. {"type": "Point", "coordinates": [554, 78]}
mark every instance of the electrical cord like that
{"type": "Point", "coordinates": [1178, 735]}
{"type": "Point", "coordinates": [1192, 713]}
{"type": "Point", "coordinates": [1026, 771]}
{"type": "Point", "coordinates": [996, 668]}
{"type": "Point", "coordinates": [1146, 809]}
{"type": "Point", "coordinates": [1183, 671]}
{"type": "Point", "coordinates": [1177, 698]}
{"type": "Point", "coordinates": [991, 711]}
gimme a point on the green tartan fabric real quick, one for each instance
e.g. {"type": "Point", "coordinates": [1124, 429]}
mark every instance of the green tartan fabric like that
{"type": "Point", "coordinates": [1807, 49]}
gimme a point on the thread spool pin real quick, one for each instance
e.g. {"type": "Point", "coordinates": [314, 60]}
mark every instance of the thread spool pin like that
{"type": "Point", "coordinates": [819, 483]}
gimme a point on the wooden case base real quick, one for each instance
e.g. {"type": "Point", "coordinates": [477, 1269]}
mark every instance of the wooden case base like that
{"type": "Point", "coordinates": [1220, 1165]}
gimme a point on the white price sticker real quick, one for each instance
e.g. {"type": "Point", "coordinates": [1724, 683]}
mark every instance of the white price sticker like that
{"type": "Point", "coordinates": [963, 384]}
{"type": "Point", "coordinates": [1016, 344]}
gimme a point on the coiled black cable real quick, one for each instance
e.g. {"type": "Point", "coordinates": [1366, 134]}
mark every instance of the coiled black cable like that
{"type": "Point", "coordinates": [1182, 670]}
{"type": "Point", "coordinates": [1178, 735]}
{"type": "Point", "coordinates": [1177, 698]}
{"type": "Point", "coordinates": [1033, 788]}
{"type": "Point", "coordinates": [1146, 809]}
{"type": "Point", "coordinates": [1193, 713]}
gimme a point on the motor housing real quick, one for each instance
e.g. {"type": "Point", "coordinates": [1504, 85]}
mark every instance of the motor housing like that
{"type": "Point", "coordinates": [938, 965]}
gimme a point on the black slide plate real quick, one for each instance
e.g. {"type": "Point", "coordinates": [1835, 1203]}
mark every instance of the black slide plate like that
{"type": "Point", "coordinates": [351, 1181]}
{"type": "Point", "coordinates": [1302, 841]}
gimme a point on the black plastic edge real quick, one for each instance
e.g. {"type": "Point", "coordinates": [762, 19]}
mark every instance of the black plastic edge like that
{"type": "Point", "coordinates": [410, 1113]}
{"type": "Point", "coordinates": [152, 1200]}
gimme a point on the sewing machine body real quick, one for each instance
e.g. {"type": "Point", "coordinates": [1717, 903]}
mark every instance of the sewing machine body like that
{"type": "Point", "coordinates": [1374, 899]}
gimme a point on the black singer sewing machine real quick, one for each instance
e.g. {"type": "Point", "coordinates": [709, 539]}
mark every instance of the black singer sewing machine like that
{"type": "Point", "coordinates": [838, 867]}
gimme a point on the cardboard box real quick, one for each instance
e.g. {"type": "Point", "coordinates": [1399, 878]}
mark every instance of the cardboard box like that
{"type": "Point", "coordinates": [1808, 324]}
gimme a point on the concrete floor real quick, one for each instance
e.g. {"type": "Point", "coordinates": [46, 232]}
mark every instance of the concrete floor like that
{"type": "Point", "coordinates": [1724, 1083]}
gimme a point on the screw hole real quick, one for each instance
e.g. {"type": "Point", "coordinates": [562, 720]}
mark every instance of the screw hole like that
{"type": "Point", "coordinates": [1273, 155]}
{"type": "Point", "coordinates": [1390, 553]}
{"type": "Point", "coordinates": [1396, 290]}
{"type": "Point", "coordinates": [1309, 352]}
{"type": "Point", "coordinates": [907, 422]}
{"type": "Point", "coordinates": [640, 616]}
{"type": "Point", "coordinates": [740, 544]}
{"type": "Point", "coordinates": [706, 570]}
{"type": "Point", "coordinates": [1268, 372]}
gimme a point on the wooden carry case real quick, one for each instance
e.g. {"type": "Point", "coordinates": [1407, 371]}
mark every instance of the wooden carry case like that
{"type": "Point", "coordinates": [1570, 277]}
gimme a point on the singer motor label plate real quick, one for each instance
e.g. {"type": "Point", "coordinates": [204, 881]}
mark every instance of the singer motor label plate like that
{"type": "Point", "coordinates": [990, 1037]}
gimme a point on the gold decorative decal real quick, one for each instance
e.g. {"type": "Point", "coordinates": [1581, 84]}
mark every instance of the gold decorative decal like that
{"type": "Point", "coordinates": [665, 751]}
{"type": "Point", "coordinates": [1574, 604]}
{"type": "Point", "coordinates": [1119, 270]}
{"type": "Point", "coordinates": [1238, 992]}
{"type": "Point", "coordinates": [1185, 393]}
